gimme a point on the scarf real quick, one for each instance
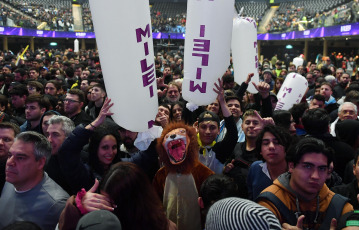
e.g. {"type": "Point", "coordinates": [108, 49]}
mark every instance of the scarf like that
{"type": "Point", "coordinates": [204, 149]}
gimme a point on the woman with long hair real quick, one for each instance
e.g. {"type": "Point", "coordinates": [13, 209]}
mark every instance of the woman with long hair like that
{"type": "Point", "coordinates": [102, 152]}
{"type": "Point", "coordinates": [176, 113]}
{"type": "Point", "coordinates": [179, 112]}
{"type": "Point", "coordinates": [285, 119]}
{"type": "Point", "coordinates": [277, 84]}
{"type": "Point", "coordinates": [215, 107]}
{"type": "Point", "coordinates": [283, 73]}
{"type": "Point", "coordinates": [248, 101]}
{"type": "Point", "coordinates": [125, 184]}
{"type": "Point", "coordinates": [127, 192]}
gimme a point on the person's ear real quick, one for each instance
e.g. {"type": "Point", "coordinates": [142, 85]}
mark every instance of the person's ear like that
{"type": "Point", "coordinates": [200, 202]}
{"type": "Point", "coordinates": [290, 166]}
{"type": "Point", "coordinates": [354, 166]}
{"type": "Point", "coordinates": [41, 163]}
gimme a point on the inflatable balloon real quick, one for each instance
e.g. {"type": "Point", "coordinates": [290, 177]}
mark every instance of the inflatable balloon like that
{"type": "Point", "coordinates": [124, 40]}
{"type": "Point", "coordinates": [292, 91]}
{"type": "Point", "coordinates": [298, 61]}
{"type": "Point", "coordinates": [245, 51]}
{"type": "Point", "coordinates": [76, 46]}
{"type": "Point", "coordinates": [207, 48]}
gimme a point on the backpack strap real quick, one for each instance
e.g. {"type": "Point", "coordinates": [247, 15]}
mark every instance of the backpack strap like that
{"type": "Point", "coordinates": [284, 211]}
{"type": "Point", "coordinates": [334, 210]}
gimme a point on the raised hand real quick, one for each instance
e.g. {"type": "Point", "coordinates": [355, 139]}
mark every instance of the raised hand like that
{"type": "Point", "coordinates": [161, 82]}
{"type": "Point", "coordinates": [262, 88]}
{"type": "Point", "coordinates": [93, 201]}
{"type": "Point", "coordinates": [105, 111]}
{"type": "Point", "coordinates": [229, 166]}
{"type": "Point", "coordinates": [219, 90]}
{"type": "Point", "coordinates": [162, 119]}
{"type": "Point", "coordinates": [263, 121]}
{"type": "Point", "coordinates": [249, 77]}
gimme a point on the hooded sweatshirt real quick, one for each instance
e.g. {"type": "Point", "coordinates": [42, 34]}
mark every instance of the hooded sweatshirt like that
{"type": "Point", "coordinates": [313, 210]}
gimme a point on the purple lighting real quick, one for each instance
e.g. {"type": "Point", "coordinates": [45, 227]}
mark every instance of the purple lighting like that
{"type": "Point", "coordinates": [340, 30]}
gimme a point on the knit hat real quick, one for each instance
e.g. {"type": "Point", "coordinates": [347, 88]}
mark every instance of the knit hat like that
{"type": "Point", "coordinates": [237, 213]}
{"type": "Point", "coordinates": [208, 116]}
{"type": "Point", "coordinates": [270, 72]}
{"type": "Point", "coordinates": [267, 71]}
{"type": "Point", "coordinates": [100, 219]}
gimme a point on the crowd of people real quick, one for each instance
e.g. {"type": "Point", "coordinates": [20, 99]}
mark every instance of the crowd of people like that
{"type": "Point", "coordinates": [56, 17]}
{"type": "Point", "coordinates": [9, 17]}
{"type": "Point", "coordinates": [297, 18]}
{"type": "Point", "coordinates": [63, 158]}
{"type": "Point", "coordinates": [60, 17]}
{"type": "Point", "coordinates": [162, 23]}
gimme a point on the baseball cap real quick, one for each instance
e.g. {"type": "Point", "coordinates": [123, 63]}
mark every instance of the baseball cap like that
{"type": "Point", "coordinates": [208, 116]}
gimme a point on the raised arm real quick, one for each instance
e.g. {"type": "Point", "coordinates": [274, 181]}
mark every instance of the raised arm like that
{"type": "Point", "coordinates": [105, 111]}
{"type": "Point", "coordinates": [220, 91]}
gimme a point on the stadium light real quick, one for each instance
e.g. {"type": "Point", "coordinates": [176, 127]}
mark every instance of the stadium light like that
{"type": "Point", "coordinates": [53, 43]}
{"type": "Point", "coordinates": [289, 47]}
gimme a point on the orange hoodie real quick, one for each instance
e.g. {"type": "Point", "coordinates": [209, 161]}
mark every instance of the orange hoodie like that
{"type": "Point", "coordinates": [313, 210]}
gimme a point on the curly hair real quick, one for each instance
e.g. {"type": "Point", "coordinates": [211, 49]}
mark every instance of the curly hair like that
{"type": "Point", "coordinates": [95, 140]}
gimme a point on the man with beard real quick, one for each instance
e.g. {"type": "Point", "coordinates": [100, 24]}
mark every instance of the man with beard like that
{"type": "Point", "coordinates": [311, 84]}
{"type": "Point", "coordinates": [73, 103]}
{"type": "Point", "coordinates": [339, 89]}
{"type": "Point", "coordinates": [173, 93]}
{"type": "Point", "coordinates": [326, 89]}
{"type": "Point", "coordinates": [128, 138]}
{"type": "Point", "coordinates": [20, 75]}
{"type": "Point", "coordinates": [35, 107]}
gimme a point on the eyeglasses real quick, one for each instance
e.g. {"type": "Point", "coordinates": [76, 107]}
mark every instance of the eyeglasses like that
{"type": "Point", "coordinates": [71, 101]}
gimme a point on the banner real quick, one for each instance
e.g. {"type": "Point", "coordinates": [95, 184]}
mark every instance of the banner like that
{"type": "Point", "coordinates": [124, 39]}
{"type": "Point", "coordinates": [245, 51]}
{"type": "Point", "coordinates": [207, 48]}
{"type": "Point", "coordinates": [291, 92]}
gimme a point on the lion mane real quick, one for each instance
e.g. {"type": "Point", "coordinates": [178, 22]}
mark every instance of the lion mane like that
{"type": "Point", "coordinates": [191, 155]}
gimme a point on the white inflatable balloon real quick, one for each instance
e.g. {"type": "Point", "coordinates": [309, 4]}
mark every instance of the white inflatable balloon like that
{"type": "Point", "coordinates": [124, 40]}
{"type": "Point", "coordinates": [298, 61]}
{"type": "Point", "coordinates": [245, 51]}
{"type": "Point", "coordinates": [292, 91]}
{"type": "Point", "coordinates": [207, 48]}
{"type": "Point", "coordinates": [76, 46]}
